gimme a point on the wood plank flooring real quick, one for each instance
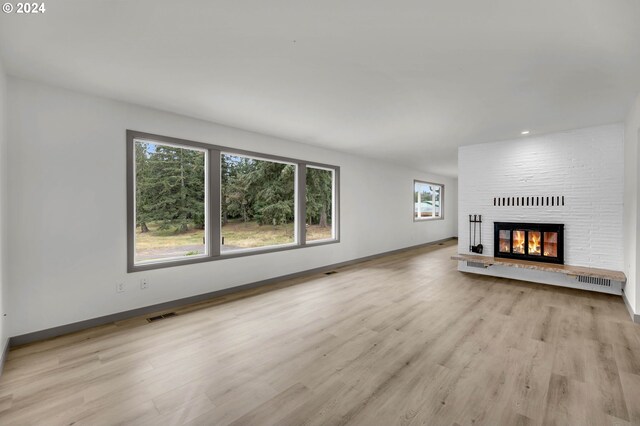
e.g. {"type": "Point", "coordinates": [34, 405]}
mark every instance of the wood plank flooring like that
{"type": "Point", "coordinates": [401, 340]}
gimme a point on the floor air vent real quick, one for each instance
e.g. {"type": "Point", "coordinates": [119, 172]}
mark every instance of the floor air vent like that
{"type": "Point", "coordinates": [163, 316]}
{"type": "Point", "coordinates": [331, 272]}
{"type": "Point", "coordinates": [593, 280]}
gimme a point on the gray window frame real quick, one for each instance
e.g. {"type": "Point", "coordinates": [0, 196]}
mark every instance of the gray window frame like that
{"type": "Point", "coordinates": [213, 207]}
{"type": "Point", "coordinates": [427, 219]}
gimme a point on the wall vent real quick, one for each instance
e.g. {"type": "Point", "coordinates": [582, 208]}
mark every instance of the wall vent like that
{"type": "Point", "coordinates": [163, 316]}
{"type": "Point", "coordinates": [536, 201]}
{"type": "Point", "coordinates": [476, 264]}
{"type": "Point", "coordinates": [593, 280]}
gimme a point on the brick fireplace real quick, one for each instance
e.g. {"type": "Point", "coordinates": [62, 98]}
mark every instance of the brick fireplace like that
{"type": "Point", "coordinates": [571, 182]}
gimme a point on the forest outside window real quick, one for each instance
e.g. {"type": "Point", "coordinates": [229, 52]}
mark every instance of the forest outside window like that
{"type": "Point", "coordinates": [258, 203]}
{"type": "Point", "coordinates": [320, 202]}
{"type": "Point", "coordinates": [191, 202]}
{"type": "Point", "coordinates": [427, 200]}
{"type": "Point", "coordinates": [170, 196]}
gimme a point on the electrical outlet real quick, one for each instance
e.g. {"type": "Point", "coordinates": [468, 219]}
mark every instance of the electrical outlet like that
{"type": "Point", "coordinates": [120, 287]}
{"type": "Point", "coordinates": [144, 284]}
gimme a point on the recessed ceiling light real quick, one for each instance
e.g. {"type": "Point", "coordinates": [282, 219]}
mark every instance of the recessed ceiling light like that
{"type": "Point", "coordinates": [525, 132]}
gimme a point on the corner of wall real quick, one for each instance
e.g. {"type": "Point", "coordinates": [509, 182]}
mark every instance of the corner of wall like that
{"type": "Point", "coordinates": [4, 329]}
{"type": "Point", "coordinates": [631, 217]}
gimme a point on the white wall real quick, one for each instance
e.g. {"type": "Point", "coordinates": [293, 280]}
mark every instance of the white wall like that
{"type": "Point", "coordinates": [68, 209]}
{"type": "Point", "coordinates": [585, 166]}
{"type": "Point", "coordinates": [631, 228]}
{"type": "Point", "coordinates": [4, 329]}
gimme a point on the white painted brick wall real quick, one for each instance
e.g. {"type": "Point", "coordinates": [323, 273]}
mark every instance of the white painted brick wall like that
{"type": "Point", "coordinates": [585, 165]}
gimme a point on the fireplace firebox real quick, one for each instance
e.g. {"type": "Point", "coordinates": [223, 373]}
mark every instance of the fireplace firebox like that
{"type": "Point", "coordinates": [540, 242]}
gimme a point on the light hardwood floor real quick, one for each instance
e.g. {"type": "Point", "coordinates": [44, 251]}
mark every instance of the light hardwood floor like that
{"type": "Point", "coordinates": [405, 339]}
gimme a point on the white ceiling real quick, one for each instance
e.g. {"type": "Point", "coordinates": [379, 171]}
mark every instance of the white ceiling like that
{"type": "Point", "coordinates": [406, 81]}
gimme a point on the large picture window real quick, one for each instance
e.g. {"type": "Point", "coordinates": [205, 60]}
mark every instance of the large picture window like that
{"type": "Point", "coordinates": [192, 202]}
{"type": "Point", "coordinates": [258, 203]}
{"type": "Point", "coordinates": [170, 199]}
{"type": "Point", "coordinates": [427, 200]}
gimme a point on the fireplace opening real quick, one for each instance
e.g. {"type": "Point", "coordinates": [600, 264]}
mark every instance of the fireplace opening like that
{"type": "Point", "coordinates": [542, 242]}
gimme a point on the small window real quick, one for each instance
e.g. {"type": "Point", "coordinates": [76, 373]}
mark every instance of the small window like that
{"type": "Point", "coordinates": [320, 204]}
{"type": "Point", "coordinates": [170, 200]}
{"type": "Point", "coordinates": [258, 203]}
{"type": "Point", "coordinates": [427, 200]}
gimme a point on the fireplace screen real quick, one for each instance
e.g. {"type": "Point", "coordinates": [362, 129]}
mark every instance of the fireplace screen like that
{"type": "Point", "coordinates": [542, 242]}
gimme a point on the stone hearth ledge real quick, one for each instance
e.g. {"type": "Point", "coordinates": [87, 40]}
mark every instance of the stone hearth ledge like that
{"type": "Point", "coordinates": [549, 267]}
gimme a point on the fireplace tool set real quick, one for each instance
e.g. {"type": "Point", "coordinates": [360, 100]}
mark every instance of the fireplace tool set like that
{"type": "Point", "coordinates": [475, 221]}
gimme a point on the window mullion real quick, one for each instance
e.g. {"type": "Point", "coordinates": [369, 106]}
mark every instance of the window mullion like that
{"type": "Point", "coordinates": [335, 215]}
{"type": "Point", "coordinates": [213, 214]}
{"type": "Point", "coordinates": [432, 198]}
{"type": "Point", "coordinates": [301, 193]}
{"type": "Point", "coordinates": [131, 201]}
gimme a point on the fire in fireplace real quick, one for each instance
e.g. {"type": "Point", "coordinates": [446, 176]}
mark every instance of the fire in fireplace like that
{"type": "Point", "coordinates": [542, 242]}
